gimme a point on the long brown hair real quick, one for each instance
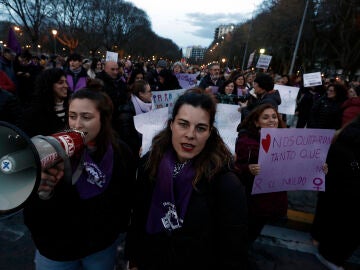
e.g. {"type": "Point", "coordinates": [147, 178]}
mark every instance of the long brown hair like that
{"type": "Point", "coordinates": [215, 154]}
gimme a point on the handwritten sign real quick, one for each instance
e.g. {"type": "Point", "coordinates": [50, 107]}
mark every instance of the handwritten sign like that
{"type": "Point", "coordinates": [111, 56]}
{"type": "Point", "coordinates": [312, 79]}
{"type": "Point", "coordinates": [264, 61]}
{"type": "Point", "coordinates": [186, 80]}
{"type": "Point", "coordinates": [162, 99]}
{"type": "Point", "coordinates": [288, 96]}
{"type": "Point", "coordinates": [251, 59]}
{"type": "Point", "coordinates": [292, 159]}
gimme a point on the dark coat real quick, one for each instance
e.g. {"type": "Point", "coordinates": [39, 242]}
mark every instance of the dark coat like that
{"type": "Point", "coordinates": [325, 113]}
{"type": "Point", "coordinates": [336, 224]}
{"type": "Point", "coordinates": [213, 235]}
{"type": "Point", "coordinates": [66, 227]}
{"type": "Point", "coordinates": [10, 110]}
{"type": "Point", "coordinates": [272, 97]}
{"type": "Point", "coordinates": [206, 82]}
{"type": "Point", "coordinates": [270, 205]}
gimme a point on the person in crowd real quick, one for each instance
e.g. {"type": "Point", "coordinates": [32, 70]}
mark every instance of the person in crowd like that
{"type": "Point", "coordinates": [249, 78]}
{"type": "Point", "coordinates": [168, 81]}
{"type": "Point", "coordinates": [152, 75]}
{"type": "Point", "coordinates": [10, 109]}
{"type": "Point", "coordinates": [304, 102]}
{"type": "Point", "coordinates": [77, 226]}
{"type": "Point", "coordinates": [115, 87]}
{"type": "Point", "coordinates": [26, 73]}
{"type": "Point", "coordinates": [178, 67]}
{"type": "Point", "coordinates": [335, 229]}
{"type": "Point", "coordinates": [212, 81]}
{"type": "Point", "coordinates": [351, 106]}
{"type": "Point", "coordinates": [95, 68]}
{"type": "Point", "coordinates": [48, 106]}
{"type": "Point", "coordinates": [7, 63]}
{"type": "Point", "coordinates": [326, 111]}
{"type": "Point", "coordinates": [136, 74]}
{"type": "Point", "coordinates": [227, 93]}
{"type": "Point", "coordinates": [76, 74]}
{"type": "Point", "coordinates": [265, 207]}
{"type": "Point", "coordinates": [140, 102]}
{"type": "Point", "coordinates": [190, 209]}
{"type": "Point", "coordinates": [264, 93]}
{"type": "Point", "coordinates": [240, 86]}
{"type": "Point", "coordinates": [6, 83]}
{"type": "Point", "coordinates": [128, 68]}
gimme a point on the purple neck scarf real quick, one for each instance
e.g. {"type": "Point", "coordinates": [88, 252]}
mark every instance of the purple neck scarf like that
{"type": "Point", "coordinates": [94, 178]}
{"type": "Point", "coordinates": [171, 196]}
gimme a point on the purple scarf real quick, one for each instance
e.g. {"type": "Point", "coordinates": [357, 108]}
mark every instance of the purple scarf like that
{"type": "Point", "coordinates": [171, 196]}
{"type": "Point", "coordinates": [95, 178]}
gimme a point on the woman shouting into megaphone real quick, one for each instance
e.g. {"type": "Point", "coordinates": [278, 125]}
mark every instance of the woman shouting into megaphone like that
{"type": "Point", "coordinates": [78, 225]}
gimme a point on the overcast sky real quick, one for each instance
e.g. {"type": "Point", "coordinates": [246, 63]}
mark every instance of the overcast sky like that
{"type": "Point", "coordinates": [193, 22]}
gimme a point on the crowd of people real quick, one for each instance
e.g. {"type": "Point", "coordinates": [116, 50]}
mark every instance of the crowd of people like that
{"type": "Point", "coordinates": [187, 202]}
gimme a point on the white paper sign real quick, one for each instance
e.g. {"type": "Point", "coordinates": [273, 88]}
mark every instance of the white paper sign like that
{"type": "Point", "coordinates": [312, 79]}
{"type": "Point", "coordinates": [264, 61]}
{"type": "Point", "coordinates": [111, 56]}
{"type": "Point", "coordinates": [288, 96]}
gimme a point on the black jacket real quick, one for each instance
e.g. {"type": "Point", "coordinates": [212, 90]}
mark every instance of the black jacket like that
{"type": "Point", "coordinates": [66, 227]}
{"type": "Point", "coordinates": [214, 232]}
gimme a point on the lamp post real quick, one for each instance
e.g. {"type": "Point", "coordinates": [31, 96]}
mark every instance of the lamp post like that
{"type": "Point", "coordinates": [262, 51]}
{"type": "Point", "coordinates": [54, 32]}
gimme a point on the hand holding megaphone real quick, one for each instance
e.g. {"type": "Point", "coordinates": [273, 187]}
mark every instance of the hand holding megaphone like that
{"type": "Point", "coordinates": [30, 165]}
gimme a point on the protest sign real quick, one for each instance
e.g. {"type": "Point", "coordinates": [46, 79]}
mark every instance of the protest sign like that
{"type": "Point", "coordinates": [288, 96]}
{"type": "Point", "coordinates": [312, 79]}
{"type": "Point", "coordinates": [166, 98]}
{"type": "Point", "coordinates": [292, 159]}
{"type": "Point", "coordinates": [264, 61]}
{"type": "Point", "coordinates": [111, 56]}
{"type": "Point", "coordinates": [186, 80]}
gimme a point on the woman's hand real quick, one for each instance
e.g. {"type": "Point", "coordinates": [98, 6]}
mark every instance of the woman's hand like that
{"type": "Point", "coordinates": [254, 169]}
{"type": "Point", "coordinates": [325, 168]}
{"type": "Point", "coordinates": [49, 178]}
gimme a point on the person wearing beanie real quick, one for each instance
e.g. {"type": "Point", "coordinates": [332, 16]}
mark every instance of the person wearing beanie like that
{"type": "Point", "coordinates": [152, 76]}
{"type": "Point", "coordinates": [262, 93]}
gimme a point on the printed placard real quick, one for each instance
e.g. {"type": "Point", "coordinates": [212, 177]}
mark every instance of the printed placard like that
{"type": "Point", "coordinates": [111, 56]}
{"type": "Point", "coordinates": [264, 61]}
{"type": "Point", "coordinates": [312, 79]}
{"type": "Point", "coordinates": [292, 159]}
{"type": "Point", "coordinates": [288, 96]}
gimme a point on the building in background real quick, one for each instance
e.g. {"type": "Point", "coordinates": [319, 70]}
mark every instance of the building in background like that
{"type": "Point", "coordinates": [195, 54]}
{"type": "Point", "coordinates": [222, 30]}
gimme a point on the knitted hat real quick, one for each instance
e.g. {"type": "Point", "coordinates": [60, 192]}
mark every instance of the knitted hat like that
{"type": "Point", "coordinates": [162, 63]}
{"type": "Point", "coordinates": [264, 81]}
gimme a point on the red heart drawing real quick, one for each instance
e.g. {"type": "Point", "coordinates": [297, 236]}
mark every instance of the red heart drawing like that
{"type": "Point", "coordinates": [266, 143]}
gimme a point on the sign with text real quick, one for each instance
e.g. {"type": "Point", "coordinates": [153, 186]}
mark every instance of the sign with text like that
{"type": "Point", "coordinates": [264, 61]}
{"type": "Point", "coordinates": [186, 80]}
{"type": "Point", "coordinates": [251, 59]}
{"type": "Point", "coordinates": [111, 56]}
{"type": "Point", "coordinates": [312, 79]}
{"type": "Point", "coordinates": [166, 98]}
{"type": "Point", "coordinates": [288, 96]}
{"type": "Point", "coordinates": [292, 159]}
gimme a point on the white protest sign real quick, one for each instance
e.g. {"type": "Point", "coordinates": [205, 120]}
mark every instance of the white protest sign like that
{"type": "Point", "coordinates": [186, 80]}
{"type": "Point", "coordinates": [111, 56]}
{"type": "Point", "coordinates": [288, 96]}
{"type": "Point", "coordinates": [264, 61]}
{"type": "Point", "coordinates": [312, 79]}
{"type": "Point", "coordinates": [149, 124]}
{"type": "Point", "coordinates": [251, 59]}
{"type": "Point", "coordinates": [292, 159]}
{"type": "Point", "coordinates": [227, 119]}
{"type": "Point", "coordinates": [166, 98]}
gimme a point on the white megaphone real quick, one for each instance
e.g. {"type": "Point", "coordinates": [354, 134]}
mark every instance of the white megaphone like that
{"type": "Point", "coordinates": [22, 159]}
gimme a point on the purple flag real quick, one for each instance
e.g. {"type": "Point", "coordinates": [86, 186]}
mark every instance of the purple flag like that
{"type": "Point", "coordinates": [13, 43]}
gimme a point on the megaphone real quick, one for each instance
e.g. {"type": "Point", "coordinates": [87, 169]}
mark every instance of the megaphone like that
{"type": "Point", "coordinates": [22, 159]}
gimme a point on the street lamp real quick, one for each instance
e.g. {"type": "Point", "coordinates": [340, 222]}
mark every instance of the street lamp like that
{"type": "Point", "coordinates": [54, 32]}
{"type": "Point", "coordinates": [262, 51]}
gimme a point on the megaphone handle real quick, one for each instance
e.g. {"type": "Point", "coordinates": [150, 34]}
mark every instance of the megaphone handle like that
{"type": "Point", "coordinates": [67, 165]}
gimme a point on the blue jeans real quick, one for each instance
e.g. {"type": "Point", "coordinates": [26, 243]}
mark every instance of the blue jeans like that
{"type": "Point", "coordinates": [102, 260]}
